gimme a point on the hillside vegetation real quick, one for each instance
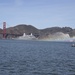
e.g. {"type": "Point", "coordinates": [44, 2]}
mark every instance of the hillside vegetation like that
{"type": "Point", "coordinates": [28, 29]}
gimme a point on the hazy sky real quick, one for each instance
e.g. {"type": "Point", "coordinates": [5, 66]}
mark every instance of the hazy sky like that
{"type": "Point", "coordinates": [39, 13]}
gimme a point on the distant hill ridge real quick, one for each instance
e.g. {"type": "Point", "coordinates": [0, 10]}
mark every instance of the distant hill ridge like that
{"type": "Point", "coordinates": [23, 28]}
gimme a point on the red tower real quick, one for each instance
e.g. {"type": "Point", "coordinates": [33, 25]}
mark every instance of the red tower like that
{"type": "Point", "coordinates": [4, 30]}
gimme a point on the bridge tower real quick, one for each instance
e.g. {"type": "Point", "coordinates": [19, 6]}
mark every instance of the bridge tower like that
{"type": "Point", "coordinates": [4, 30]}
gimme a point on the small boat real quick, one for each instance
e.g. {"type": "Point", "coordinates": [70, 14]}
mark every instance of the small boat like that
{"type": "Point", "coordinates": [73, 45]}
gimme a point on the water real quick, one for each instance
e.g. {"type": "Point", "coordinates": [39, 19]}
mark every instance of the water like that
{"type": "Point", "coordinates": [36, 58]}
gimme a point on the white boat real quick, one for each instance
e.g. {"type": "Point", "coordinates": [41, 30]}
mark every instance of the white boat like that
{"type": "Point", "coordinates": [73, 45]}
{"type": "Point", "coordinates": [26, 37]}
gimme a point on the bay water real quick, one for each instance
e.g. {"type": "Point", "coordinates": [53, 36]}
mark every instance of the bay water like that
{"type": "Point", "coordinates": [20, 57]}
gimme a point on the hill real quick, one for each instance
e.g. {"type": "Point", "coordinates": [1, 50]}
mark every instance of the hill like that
{"type": "Point", "coordinates": [28, 29]}
{"type": "Point", "coordinates": [20, 29]}
{"type": "Point", "coordinates": [65, 30]}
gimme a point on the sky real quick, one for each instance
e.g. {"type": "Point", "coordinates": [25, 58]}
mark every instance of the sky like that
{"type": "Point", "coordinates": [38, 13]}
